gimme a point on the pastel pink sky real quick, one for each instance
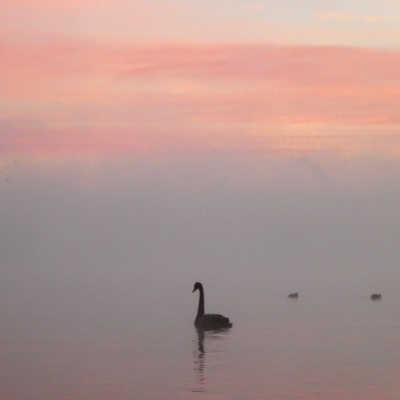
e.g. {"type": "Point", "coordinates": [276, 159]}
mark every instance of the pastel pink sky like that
{"type": "Point", "coordinates": [112, 77]}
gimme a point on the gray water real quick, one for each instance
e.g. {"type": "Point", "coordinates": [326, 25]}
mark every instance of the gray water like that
{"type": "Point", "coordinates": [99, 258]}
{"type": "Point", "coordinates": [310, 348]}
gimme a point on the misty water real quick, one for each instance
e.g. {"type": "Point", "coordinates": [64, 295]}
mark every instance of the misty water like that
{"type": "Point", "coordinates": [99, 259]}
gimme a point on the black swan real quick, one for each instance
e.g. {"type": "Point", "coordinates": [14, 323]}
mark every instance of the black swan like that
{"type": "Point", "coordinates": [208, 321]}
{"type": "Point", "coordinates": [376, 296]}
{"type": "Point", "coordinates": [293, 295]}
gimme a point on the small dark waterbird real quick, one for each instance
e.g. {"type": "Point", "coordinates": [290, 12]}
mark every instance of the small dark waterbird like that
{"type": "Point", "coordinates": [208, 321]}
{"type": "Point", "coordinates": [293, 295]}
{"type": "Point", "coordinates": [376, 296]}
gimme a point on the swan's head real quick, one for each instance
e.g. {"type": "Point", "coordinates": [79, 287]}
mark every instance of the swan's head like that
{"type": "Point", "coordinates": [197, 286]}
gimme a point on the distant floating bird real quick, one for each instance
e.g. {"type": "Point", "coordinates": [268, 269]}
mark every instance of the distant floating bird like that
{"type": "Point", "coordinates": [208, 321]}
{"type": "Point", "coordinates": [293, 295]}
{"type": "Point", "coordinates": [376, 296]}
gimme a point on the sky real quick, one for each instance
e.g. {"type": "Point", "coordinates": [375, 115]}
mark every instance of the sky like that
{"type": "Point", "coordinates": [128, 77]}
{"type": "Point", "coordinates": [163, 142]}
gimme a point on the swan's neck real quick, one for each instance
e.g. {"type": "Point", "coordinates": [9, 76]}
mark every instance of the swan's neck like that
{"type": "Point", "coordinates": [200, 311]}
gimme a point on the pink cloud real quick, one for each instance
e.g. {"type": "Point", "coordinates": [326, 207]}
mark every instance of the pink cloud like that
{"type": "Point", "coordinates": [53, 5]}
{"type": "Point", "coordinates": [131, 98]}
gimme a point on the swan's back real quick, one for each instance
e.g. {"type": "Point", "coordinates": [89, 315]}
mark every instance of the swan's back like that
{"type": "Point", "coordinates": [212, 321]}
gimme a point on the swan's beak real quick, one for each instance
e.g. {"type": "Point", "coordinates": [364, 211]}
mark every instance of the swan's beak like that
{"type": "Point", "coordinates": [193, 290]}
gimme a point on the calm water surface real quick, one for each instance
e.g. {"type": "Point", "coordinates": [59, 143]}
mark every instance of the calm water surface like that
{"type": "Point", "coordinates": [310, 348]}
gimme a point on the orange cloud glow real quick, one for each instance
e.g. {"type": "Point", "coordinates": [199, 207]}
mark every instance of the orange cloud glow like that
{"type": "Point", "coordinates": [93, 97]}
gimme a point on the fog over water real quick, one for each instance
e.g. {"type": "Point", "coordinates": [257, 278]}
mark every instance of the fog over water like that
{"type": "Point", "coordinates": [259, 223]}
{"type": "Point", "coordinates": [111, 246]}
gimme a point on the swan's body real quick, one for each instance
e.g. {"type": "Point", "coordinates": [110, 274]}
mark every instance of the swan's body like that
{"type": "Point", "coordinates": [208, 321]}
{"type": "Point", "coordinates": [376, 296]}
{"type": "Point", "coordinates": [293, 295]}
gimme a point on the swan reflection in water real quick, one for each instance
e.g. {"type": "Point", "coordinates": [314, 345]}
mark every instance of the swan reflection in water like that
{"type": "Point", "coordinates": [199, 354]}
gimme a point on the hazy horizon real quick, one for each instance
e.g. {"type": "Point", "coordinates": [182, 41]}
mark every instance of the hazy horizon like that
{"type": "Point", "coordinates": [138, 227]}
